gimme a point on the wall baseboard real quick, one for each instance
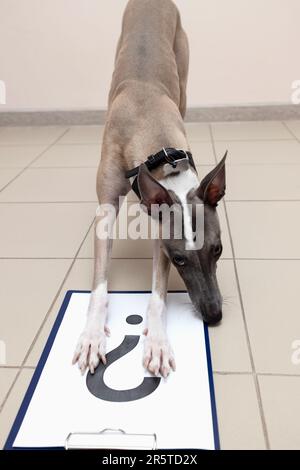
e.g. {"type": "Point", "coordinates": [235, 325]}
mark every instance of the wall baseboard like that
{"type": "Point", "coordinates": [275, 112]}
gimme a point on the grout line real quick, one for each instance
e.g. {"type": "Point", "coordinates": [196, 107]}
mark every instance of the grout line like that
{"type": "Point", "coordinates": [275, 374]}
{"type": "Point", "coordinates": [136, 202]}
{"type": "Point", "coordinates": [196, 140]}
{"type": "Point", "coordinates": [41, 144]}
{"type": "Point", "coordinates": [262, 200]}
{"type": "Point", "coordinates": [259, 374]}
{"type": "Point", "coordinates": [62, 144]}
{"type": "Point", "coordinates": [10, 367]}
{"type": "Point", "coordinates": [23, 364]}
{"type": "Point", "coordinates": [219, 372]}
{"type": "Point", "coordinates": [34, 160]}
{"type": "Point", "coordinates": [35, 257]}
{"type": "Point", "coordinates": [290, 131]}
{"type": "Point", "coordinates": [73, 144]}
{"type": "Point", "coordinates": [136, 258]}
{"type": "Point", "coordinates": [49, 202]}
{"type": "Point", "coordinates": [250, 141]}
{"type": "Point", "coordinates": [67, 167]}
{"type": "Point", "coordinates": [223, 258]}
{"type": "Point", "coordinates": [57, 143]}
{"type": "Point", "coordinates": [17, 367]}
{"type": "Point", "coordinates": [256, 383]}
{"type": "Point", "coordinates": [287, 139]}
{"type": "Point", "coordinates": [264, 259]}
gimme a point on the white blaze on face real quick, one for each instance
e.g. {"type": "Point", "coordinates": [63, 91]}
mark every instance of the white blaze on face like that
{"type": "Point", "coordinates": [181, 184]}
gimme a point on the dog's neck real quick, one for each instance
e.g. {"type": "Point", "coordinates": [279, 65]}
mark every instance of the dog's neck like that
{"type": "Point", "coordinates": [177, 179]}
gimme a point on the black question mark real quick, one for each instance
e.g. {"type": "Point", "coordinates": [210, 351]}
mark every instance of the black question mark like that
{"type": "Point", "coordinates": [99, 389]}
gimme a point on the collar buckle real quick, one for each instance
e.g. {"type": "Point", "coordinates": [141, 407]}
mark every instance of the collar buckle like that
{"type": "Point", "coordinates": [170, 159]}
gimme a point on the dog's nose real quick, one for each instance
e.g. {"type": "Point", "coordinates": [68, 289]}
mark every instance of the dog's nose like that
{"type": "Point", "coordinates": [213, 317]}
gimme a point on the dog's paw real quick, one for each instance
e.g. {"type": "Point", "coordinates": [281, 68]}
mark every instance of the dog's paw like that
{"type": "Point", "coordinates": [90, 349]}
{"type": "Point", "coordinates": [158, 354]}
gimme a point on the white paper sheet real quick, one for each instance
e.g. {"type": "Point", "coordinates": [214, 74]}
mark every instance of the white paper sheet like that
{"type": "Point", "coordinates": [178, 411]}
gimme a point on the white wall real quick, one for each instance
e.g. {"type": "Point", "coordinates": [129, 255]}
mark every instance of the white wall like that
{"type": "Point", "coordinates": [59, 53]}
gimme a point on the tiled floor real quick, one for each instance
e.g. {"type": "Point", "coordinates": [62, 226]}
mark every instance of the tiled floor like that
{"type": "Point", "coordinates": [47, 204]}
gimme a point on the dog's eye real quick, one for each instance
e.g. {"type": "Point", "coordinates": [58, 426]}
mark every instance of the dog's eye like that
{"type": "Point", "coordinates": [218, 250]}
{"type": "Point", "coordinates": [178, 260]}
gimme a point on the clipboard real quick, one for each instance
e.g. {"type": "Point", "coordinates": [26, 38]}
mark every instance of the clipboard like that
{"type": "Point", "coordinates": [112, 439]}
{"type": "Point", "coordinates": [101, 438]}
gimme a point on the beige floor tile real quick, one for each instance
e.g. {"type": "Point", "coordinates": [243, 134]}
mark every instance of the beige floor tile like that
{"type": "Point", "coordinates": [43, 230]}
{"type": "Point", "coordinates": [227, 251]}
{"type": "Point", "coordinates": [264, 152]}
{"type": "Point", "coordinates": [136, 275]}
{"type": "Point", "coordinates": [248, 130]}
{"type": "Point", "coordinates": [11, 407]}
{"type": "Point", "coordinates": [265, 229]}
{"type": "Point", "coordinates": [7, 377]}
{"type": "Point", "coordinates": [294, 126]}
{"type": "Point", "coordinates": [7, 175]}
{"type": "Point", "coordinates": [132, 197]}
{"type": "Point", "coordinates": [228, 340]}
{"type": "Point", "coordinates": [30, 135]}
{"type": "Point", "coordinates": [123, 275]}
{"type": "Point", "coordinates": [203, 170]}
{"type": "Point", "coordinates": [28, 288]}
{"type": "Point", "coordinates": [197, 132]}
{"type": "Point", "coordinates": [53, 185]}
{"type": "Point", "coordinates": [238, 413]}
{"type": "Point", "coordinates": [280, 398]}
{"type": "Point", "coordinates": [202, 153]}
{"type": "Point", "coordinates": [19, 156]}
{"type": "Point", "coordinates": [268, 182]}
{"type": "Point", "coordinates": [121, 248]}
{"type": "Point", "coordinates": [83, 135]}
{"type": "Point", "coordinates": [85, 155]}
{"type": "Point", "coordinates": [270, 296]}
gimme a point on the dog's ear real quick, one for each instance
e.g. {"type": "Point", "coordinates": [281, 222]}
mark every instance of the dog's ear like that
{"type": "Point", "coordinates": [212, 187]}
{"type": "Point", "coordinates": [151, 191]}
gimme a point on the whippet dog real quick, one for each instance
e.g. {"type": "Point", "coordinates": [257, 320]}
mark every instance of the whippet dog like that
{"type": "Point", "coordinates": [147, 104]}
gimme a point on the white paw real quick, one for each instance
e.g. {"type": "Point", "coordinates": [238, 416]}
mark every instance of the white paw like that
{"type": "Point", "coordinates": [90, 349]}
{"type": "Point", "coordinates": [158, 354]}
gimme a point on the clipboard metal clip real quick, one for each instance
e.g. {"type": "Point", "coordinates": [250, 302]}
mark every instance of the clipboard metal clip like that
{"type": "Point", "coordinates": [110, 438]}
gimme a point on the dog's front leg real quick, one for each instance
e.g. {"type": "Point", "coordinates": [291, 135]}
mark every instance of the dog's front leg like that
{"type": "Point", "coordinates": [91, 346]}
{"type": "Point", "coordinates": [158, 354]}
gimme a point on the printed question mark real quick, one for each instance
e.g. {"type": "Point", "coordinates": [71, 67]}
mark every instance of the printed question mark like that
{"type": "Point", "coordinates": [95, 382]}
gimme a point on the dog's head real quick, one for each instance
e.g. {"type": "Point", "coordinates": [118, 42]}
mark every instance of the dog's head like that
{"type": "Point", "coordinates": [196, 251]}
